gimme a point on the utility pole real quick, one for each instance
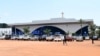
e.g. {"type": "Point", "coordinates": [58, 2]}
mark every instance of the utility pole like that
{"type": "Point", "coordinates": [15, 30]}
{"type": "Point", "coordinates": [81, 21]}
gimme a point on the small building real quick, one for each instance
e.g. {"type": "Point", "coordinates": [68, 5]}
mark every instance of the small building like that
{"type": "Point", "coordinates": [5, 31]}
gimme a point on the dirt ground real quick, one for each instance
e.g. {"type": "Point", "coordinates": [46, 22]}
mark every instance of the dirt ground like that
{"type": "Point", "coordinates": [43, 48]}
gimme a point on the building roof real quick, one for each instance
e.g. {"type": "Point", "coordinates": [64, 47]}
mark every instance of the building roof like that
{"type": "Point", "coordinates": [52, 21]}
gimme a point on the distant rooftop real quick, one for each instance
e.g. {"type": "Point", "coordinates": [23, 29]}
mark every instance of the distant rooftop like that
{"type": "Point", "coordinates": [53, 20]}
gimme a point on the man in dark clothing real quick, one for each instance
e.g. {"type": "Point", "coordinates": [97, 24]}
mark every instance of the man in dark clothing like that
{"type": "Point", "coordinates": [64, 40]}
{"type": "Point", "coordinates": [92, 40]}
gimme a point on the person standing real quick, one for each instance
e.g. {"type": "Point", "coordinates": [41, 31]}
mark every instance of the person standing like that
{"type": "Point", "coordinates": [64, 40]}
{"type": "Point", "coordinates": [92, 39]}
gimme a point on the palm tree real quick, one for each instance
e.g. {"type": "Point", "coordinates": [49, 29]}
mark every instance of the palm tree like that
{"type": "Point", "coordinates": [47, 31]}
{"type": "Point", "coordinates": [26, 30]}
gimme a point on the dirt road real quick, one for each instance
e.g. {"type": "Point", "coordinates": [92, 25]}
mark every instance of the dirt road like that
{"type": "Point", "coordinates": [36, 48]}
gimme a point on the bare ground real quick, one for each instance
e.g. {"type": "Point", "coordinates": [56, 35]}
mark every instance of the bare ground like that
{"type": "Point", "coordinates": [43, 48]}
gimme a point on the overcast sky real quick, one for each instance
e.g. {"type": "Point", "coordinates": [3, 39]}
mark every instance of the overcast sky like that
{"type": "Point", "coordinates": [21, 11]}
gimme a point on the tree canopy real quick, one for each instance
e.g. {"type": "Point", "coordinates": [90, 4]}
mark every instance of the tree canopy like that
{"type": "Point", "coordinates": [26, 30]}
{"type": "Point", "coordinates": [3, 25]}
{"type": "Point", "coordinates": [47, 31]}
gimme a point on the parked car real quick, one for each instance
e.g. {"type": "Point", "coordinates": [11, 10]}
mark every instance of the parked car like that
{"type": "Point", "coordinates": [87, 37]}
{"type": "Point", "coordinates": [14, 37]}
{"type": "Point", "coordinates": [58, 38]}
{"type": "Point", "coordinates": [95, 37]}
{"type": "Point", "coordinates": [98, 38]}
{"type": "Point", "coordinates": [20, 37]}
{"type": "Point", "coordinates": [74, 37]}
{"type": "Point", "coordinates": [7, 37]}
{"type": "Point", "coordinates": [69, 38]}
{"type": "Point", "coordinates": [79, 38]}
{"type": "Point", "coordinates": [26, 37]}
{"type": "Point", "coordinates": [34, 37]}
{"type": "Point", "coordinates": [49, 38]}
{"type": "Point", "coordinates": [43, 37]}
{"type": "Point", "coordinates": [2, 37]}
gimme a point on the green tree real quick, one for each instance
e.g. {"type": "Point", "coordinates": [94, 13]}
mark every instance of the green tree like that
{"type": "Point", "coordinates": [92, 29]}
{"type": "Point", "coordinates": [3, 25]}
{"type": "Point", "coordinates": [47, 31]}
{"type": "Point", "coordinates": [98, 31]}
{"type": "Point", "coordinates": [73, 34]}
{"type": "Point", "coordinates": [26, 30]}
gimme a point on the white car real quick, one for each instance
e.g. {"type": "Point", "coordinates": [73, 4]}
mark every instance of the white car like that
{"type": "Point", "coordinates": [79, 38]}
{"type": "Point", "coordinates": [95, 37]}
{"type": "Point", "coordinates": [62, 37]}
{"type": "Point", "coordinates": [58, 38]}
{"type": "Point", "coordinates": [2, 37]}
{"type": "Point", "coordinates": [26, 37]}
{"type": "Point", "coordinates": [20, 37]}
{"type": "Point", "coordinates": [87, 38]}
{"type": "Point", "coordinates": [74, 37]}
{"type": "Point", "coordinates": [49, 38]}
{"type": "Point", "coordinates": [14, 37]}
{"type": "Point", "coordinates": [34, 38]}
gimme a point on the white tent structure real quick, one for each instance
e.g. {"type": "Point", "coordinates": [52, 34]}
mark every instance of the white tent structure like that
{"type": "Point", "coordinates": [5, 31]}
